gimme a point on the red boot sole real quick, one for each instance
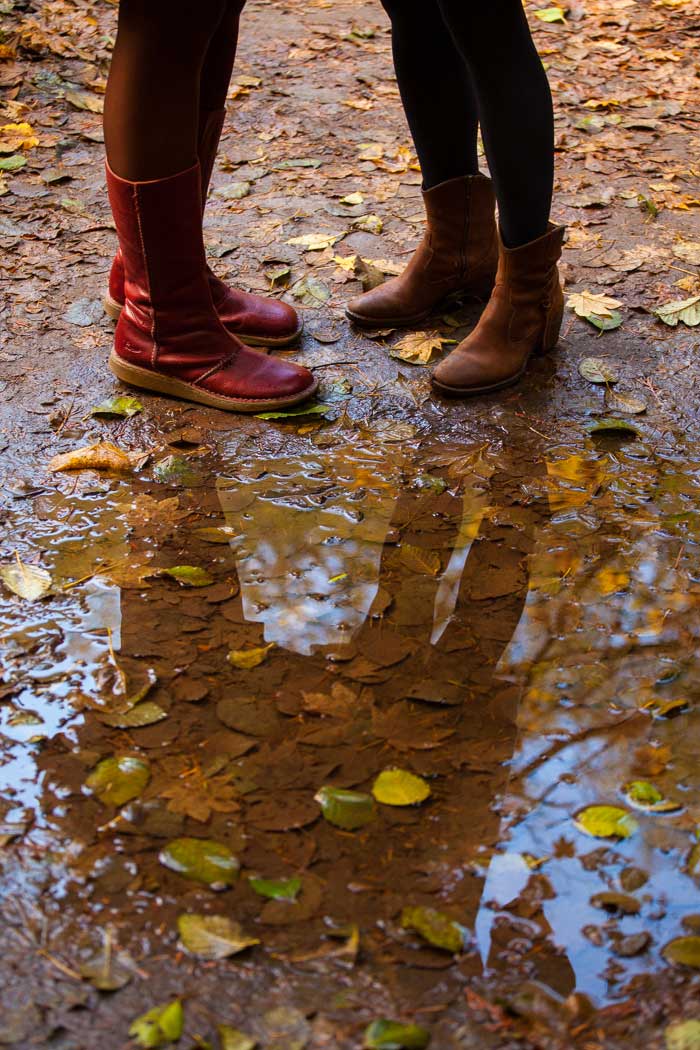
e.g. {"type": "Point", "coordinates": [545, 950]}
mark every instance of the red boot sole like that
{"type": "Point", "coordinates": [161, 384]}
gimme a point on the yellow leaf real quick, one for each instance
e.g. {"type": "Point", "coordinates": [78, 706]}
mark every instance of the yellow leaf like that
{"type": "Point", "coordinates": [247, 659]}
{"type": "Point", "coordinates": [360, 103]}
{"type": "Point", "coordinates": [589, 304]}
{"type": "Point", "coordinates": [353, 198]}
{"type": "Point", "coordinates": [14, 137]}
{"type": "Point", "coordinates": [316, 242]}
{"type": "Point", "coordinates": [418, 348]}
{"type": "Point", "coordinates": [102, 456]}
{"type": "Point", "coordinates": [419, 560]}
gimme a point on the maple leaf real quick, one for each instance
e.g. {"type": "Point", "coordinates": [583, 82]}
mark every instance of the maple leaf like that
{"type": "Point", "coordinates": [419, 348]}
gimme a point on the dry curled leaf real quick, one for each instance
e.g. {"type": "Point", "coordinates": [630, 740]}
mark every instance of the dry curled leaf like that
{"type": "Point", "coordinates": [102, 456]}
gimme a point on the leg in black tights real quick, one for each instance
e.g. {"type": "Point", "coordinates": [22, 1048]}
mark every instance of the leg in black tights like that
{"type": "Point", "coordinates": [436, 91]}
{"type": "Point", "coordinates": [514, 100]}
{"type": "Point", "coordinates": [221, 55]}
{"type": "Point", "coordinates": [152, 104]}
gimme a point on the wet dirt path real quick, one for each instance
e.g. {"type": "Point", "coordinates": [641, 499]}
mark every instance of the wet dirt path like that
{"type": "Point", "coordinates": [493, 597]}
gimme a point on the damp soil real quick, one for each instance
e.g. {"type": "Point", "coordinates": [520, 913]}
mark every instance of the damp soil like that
{"type": "Point", "coordinates": [490, 595]}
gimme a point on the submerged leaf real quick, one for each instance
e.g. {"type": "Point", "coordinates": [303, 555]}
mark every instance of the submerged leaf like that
{"type": "Point", "coordinates": [436, 928]}
{"type": "Point", "coordinates": [348, 810]}
{"type": "Point", "coordinates": [188, 575]}
{"type": "Point", "coordinates": [218, 534]}
{"type": "Point", "coordinates": [276, 889]}
{"type": "Point", "coordinates": [213, 936]}
{"type": "Point", "coordinates": [623, 427]}
{"type": "Point", "coordinates": [398, 787]}
{"type": "Point", "coordinates": [683, 950]}
{"type": "Point", "coordinates": [392, 1035]}
{"type": "Point", "coordinates": [159, 1026]}
{"type": "Point", "coordinates": [202, 860]}
{"type": "Point", "coordinates": [603, 822]}
{"type": "Point", "coordinates": [119, 779]}
{"type": "Point", "coordinates": [108, 970]}
{"type": "Point", "coordinates": [30, 582]}
{"type": "Point", "coordinates": [685, 1035]}
{"type": "Point", "coordinates": [247, 659]}
{"type": "Point", "coordinates": [144, 714]}
{"type": "Point", "coordinates": [232, 1039]}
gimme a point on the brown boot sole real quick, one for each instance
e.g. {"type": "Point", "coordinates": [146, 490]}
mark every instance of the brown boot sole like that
{"type": "Point", "coordinates": [113, 309]}
{"type": "Point", "coordinates": [161, 384]}
{"type": "Point", "coordinates": [479, 295]}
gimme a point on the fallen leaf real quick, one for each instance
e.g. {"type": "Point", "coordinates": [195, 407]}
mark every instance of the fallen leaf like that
{"type": "Point", "coordinates": [213, 936]}
{"type": "Point", "coordinates": [629, 404]}
{"type": "Point", "coordinates": [551, 14]}
{"type": "Point", "coordinates": [316, 242]}
{"type": "Point", "coordinates": [188, 575]}
{"type": "Point", "coordinates": [398, 787]}
{"type": "Point", "coordinates": [30, 582]}
{"type": "Point", "coordinates": [392, 1035]}
{"type": "Point", "coordinates": [145, 714]}
{"type": "Point", "coordinates": [589, 304]}
{"type": "Point", "coordinates": [247, 659]}
{"type": "Point", "coordinates": [419, 348]}
{"type": "Point", "coordinates": [119, 779]}
{"type": "Point", "coordinates": [109, 969]}
{"type": "Point", "coordinates": [118, 406]}
{"type": "Point", "coordinates": [232, 1039]}
{"type": "Point", "coordinates": [685, 951]}
{"type": "Point", "coordinates": [348, 810]}
{"type": "Point", "coordinates": [276, 889]}
{"type": "Point", "coordinates": [437, 929]}
{"type": "Point", "coordinates": [645, 796]}
{"type": "Point", "coordinates": [311, 292]}
{"type": "Point", "coordinates": [159, 1026]}
{"type": "Point", "coordinates": [202, 860]}
{"type": "Point", "coordinates": [685, 1035]}
{"type": "Point", "coordinates": [685, 310]}
{"type": "Point", "coordinates": [14, 137]}
{"type": "Point", "coordinates": [419, 560]}
{"type": "Point", "coordinates": [102, 456]}
{"type": "Point", "coordinates": [606, 822]}
{"type": "Point", "coordinates": [597, 370]}
{"type": "Point", "coordinates": [613, 426]}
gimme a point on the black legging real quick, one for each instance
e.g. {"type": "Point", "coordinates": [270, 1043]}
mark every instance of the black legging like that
{"type": "Point", "coordinates": [461, 63]}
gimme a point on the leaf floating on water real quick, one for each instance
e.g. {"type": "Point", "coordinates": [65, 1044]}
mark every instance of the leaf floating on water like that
{"type": "Point", "coordinates": [159, 1027]}
{"type": "Point", "coordinates": [348, 810]}
{"type": "Point", "coordinates": [685, 310]}
{"type": "Point", "coordinates": [213, 936]}
{"type": "Point", "coordinates": [102, 456]}
{"type": "Point", "coordinates": [398, 787]}
{"type": "Point", "coordinates": [597, 370]}
{"type": "Point", "coordinates": [232, 1039]}
{"type": "Point", "coordinates": [436, 928]}
{"type": "Point", "coordinates": [617, 903]}
{"type": "Point", "coordinates": [692, 866]}
{"type": "Point", "coordinates": [30, 582]}
{"type": "Point", "coordinates": [606, 822]}
{"type": "Point", "coordinates": [685, 1035]}
{"type": "Point", "coordinates": [145, 714]}
{"type": "Point", "coordinates": [276, 889]}
{"type": "Point", "coordinates": [188, 575]}
{"type": "Point", "coordinates": [118, 406]}
{"type": "Point", "coordinates": [621, 427]}
{"type": "Point", "coordinates": [305, 410]}
{"type": "Point", "coordinates": [247, 659]}
{"type": "Point", "coordinates": [202, 860]}
{"type": "Point", "coordinates": [642, 795]}
{"type": "Point", "coordinates": [392, 1035]}
{"type": "Point", "coordinates": [119, 779]}
{"type": "Point", "coordinates": [220, 534]}
{"type": "Point", "coordinates": [683, 950]}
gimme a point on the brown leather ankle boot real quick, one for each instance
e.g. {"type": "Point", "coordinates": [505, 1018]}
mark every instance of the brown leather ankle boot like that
{"type": "Point", "coordinates": [522, 317]}
{"type": "Point", "coordinates": [256, 320]}
{"type": "Point", "coordinates": [458, 254]}
{"type": "Point", "coordinates": [169, 337]}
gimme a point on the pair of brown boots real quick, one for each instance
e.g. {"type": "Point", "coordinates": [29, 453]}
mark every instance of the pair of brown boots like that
{"type": "Point", "coordinates": [462, 255]}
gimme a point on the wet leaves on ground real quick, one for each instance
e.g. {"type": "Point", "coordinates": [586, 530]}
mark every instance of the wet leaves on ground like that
{"type": "Point", "coordinates": [606, 822]}
{"type": "Point", "coordinates": [119, 779]}
{"type": "Point", "coordinates": [392, 1035]}
{"type": "Point", "coordinates": [349, 810]}
{"type": "Point", "coordinates": [435, 927]}
{"type": "Point", "coordinates": [159, 1026]}
{"type": "Point", "coordinates": [202, 860]}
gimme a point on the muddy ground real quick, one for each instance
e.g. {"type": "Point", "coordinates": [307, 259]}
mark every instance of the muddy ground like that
{"type": "Point", "coordinates": [495, 596]}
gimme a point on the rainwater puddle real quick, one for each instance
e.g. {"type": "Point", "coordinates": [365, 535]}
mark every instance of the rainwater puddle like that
{"type": "Point", "coordinates": [516, 625]}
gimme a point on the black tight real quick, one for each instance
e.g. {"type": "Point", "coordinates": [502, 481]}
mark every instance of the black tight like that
{"type": "Point", "coordinates": [464, 62]}
{"type": "Point", "coordinates": [168, 68]}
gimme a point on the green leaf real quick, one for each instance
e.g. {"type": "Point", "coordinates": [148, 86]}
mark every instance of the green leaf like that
{"type": "Point", "coordinates": [175, 470]}
{"type": "Point", "coordinates": [276, 889]}
{"type": "Point", "coordinates": [685, 310]}
{"type": "Point", "coordinates": [348, 810]}
{"type": "Point", "coordinates": [392, 1035]}
{"type": "Point", "coordinates": [13, 163]}
{"type": "Point", "coordinates": [606, 324]}
{"type": "Point", "coordinates": [684, 950]}
{"type": "Point", "coordinates": [160, 1026]}
{"type": "Point", "coordinates": [551, 14]}
{"type": "Point", "coordinates": [606, 822]}
{"type": "Point", "coordinates": [685, 1035]}
{"type": "Point", "coordinates": [232, 1039]}
{"type": "Point", "coordinates": [398, 787]}
{"type": "Point", "coordinates": [26, 581]}
{"type": "Point", "coordinates": [119, 779]}
{"type": "Point", "coordinates": [202, 860]}
{"type": "Point", "coordinates": [311, 292]}
{"type": "Point", "coordinates": [145, 714]}
{"type": "Point", "coordinates": [118, 406]}
{"type": "Point", "coordinates": [597, 370]}
{"type": "Point", "coordinates": [436, 928]}
{"type": "Point", "coordinates": [305, 410]}
{"type": "Point", "coordinates": [623, 427]}
{"type": "Point", "coordinates": [643, 795]}
{"type": "Point", "coordinates": [188, 575]}
{"type": "Point", "coordinates": [213, 936]}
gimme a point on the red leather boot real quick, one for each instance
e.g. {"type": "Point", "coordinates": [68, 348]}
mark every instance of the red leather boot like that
{"type": "Point", "coordinates": [256, 320]}
{"type": "Point", "coordinates": [169, 337]}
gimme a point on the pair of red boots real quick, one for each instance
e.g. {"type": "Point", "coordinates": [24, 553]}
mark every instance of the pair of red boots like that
{"type": "Point", "coordinates": [181, 331]}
